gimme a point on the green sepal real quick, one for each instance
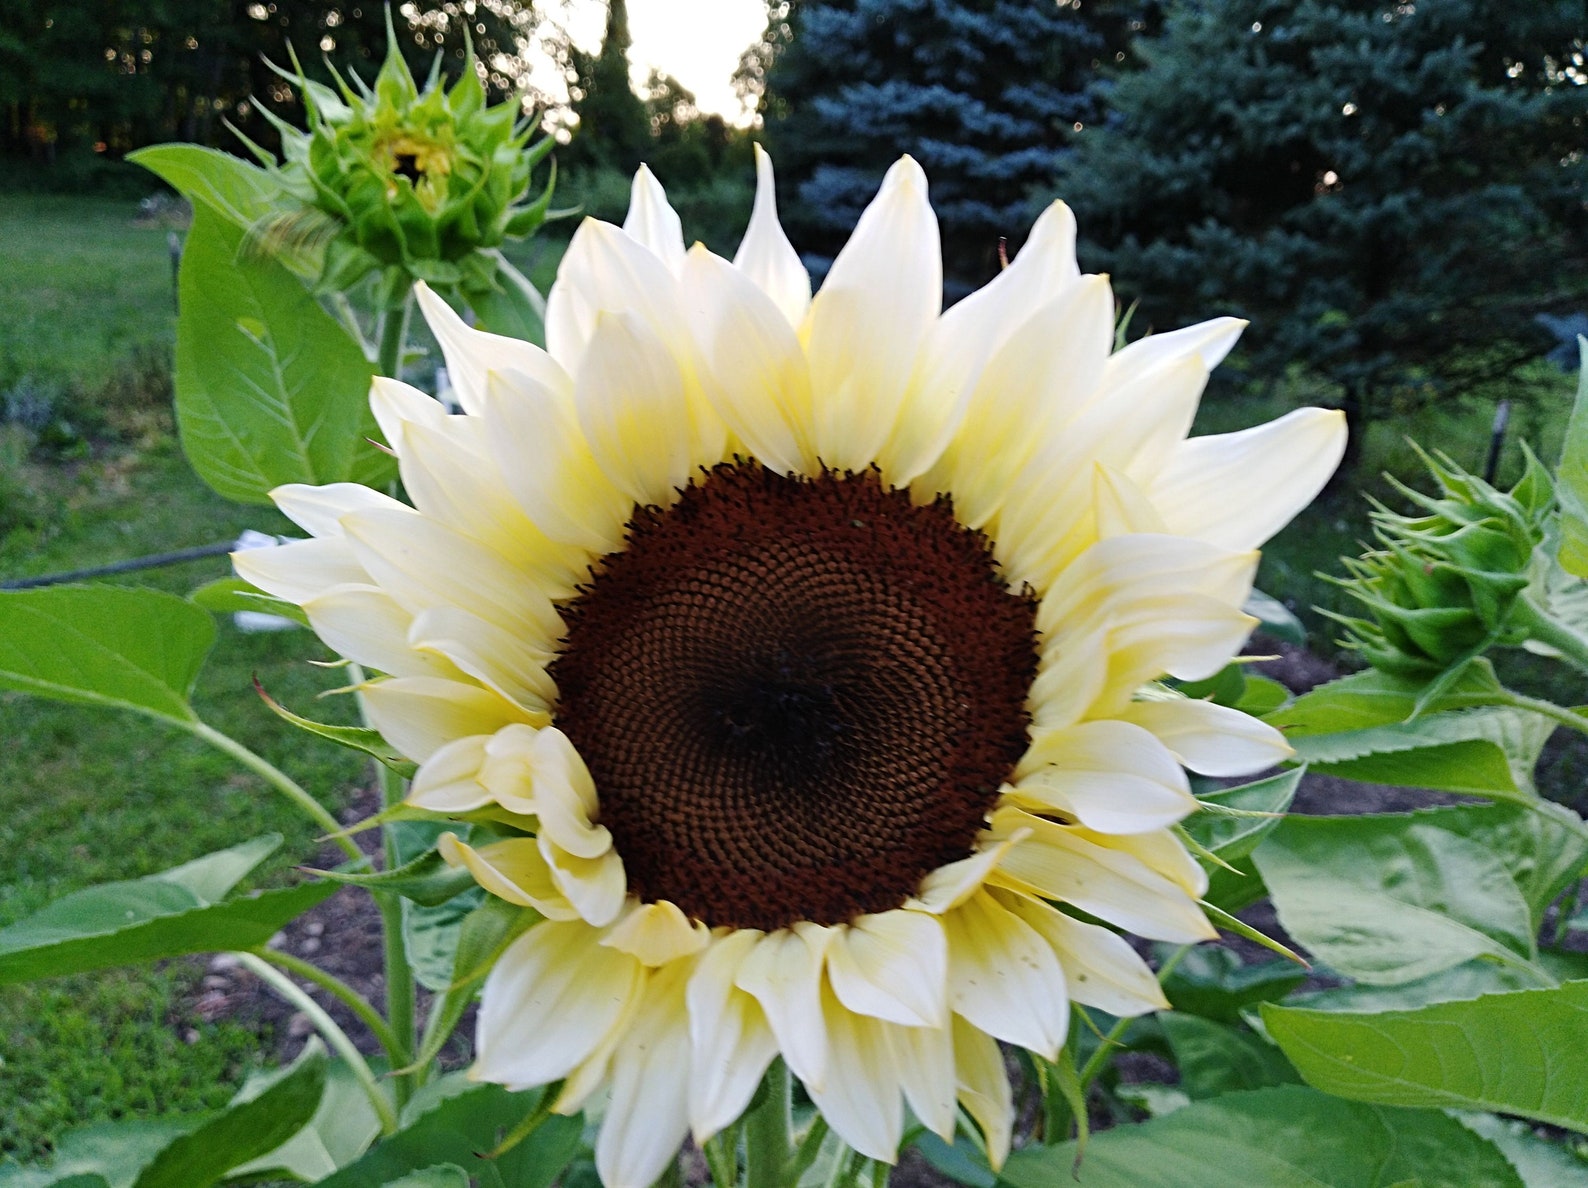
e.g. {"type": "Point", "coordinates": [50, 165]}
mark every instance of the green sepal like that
{"type": "Point", "coordinates": [355, 738]}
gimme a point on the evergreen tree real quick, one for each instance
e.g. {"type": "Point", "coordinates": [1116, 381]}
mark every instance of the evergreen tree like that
{"type": "Point", "coordinates": [983, 93]}
{"type": "Point", "coordinates": [614, 125]}
{"type": "Point", "coordinates": [1389, 191]}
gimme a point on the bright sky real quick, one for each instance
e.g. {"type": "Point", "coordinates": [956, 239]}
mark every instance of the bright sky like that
{"type": "Point", "coordinates": [698, 42]}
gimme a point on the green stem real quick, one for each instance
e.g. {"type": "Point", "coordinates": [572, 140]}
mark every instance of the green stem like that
{"type": "Point", "coordinates": [766, 1132]}
{"type": "Point", "coordinates": [1558, 713]}
{"type": "Point", "coordinates": [810, 1148]}
{"type": "Point", "coordinates": [282, 782]}
{"type": "Point", "coordinates": [1546, 629]}
{"type": "Point", "coordinates": [393, 334]}
{"type": "Point", "coordinates": [333, 985]}
{"type": "Point", "coordinates": [1105, 1050]}
{"type": "Point", "coordinates": [334, 1035]}
{"type": "Point", "coordinates": [399, 975]}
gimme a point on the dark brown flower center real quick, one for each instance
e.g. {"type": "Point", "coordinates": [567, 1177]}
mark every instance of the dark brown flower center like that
{"type": "Point", "coordinates": [797, 696]}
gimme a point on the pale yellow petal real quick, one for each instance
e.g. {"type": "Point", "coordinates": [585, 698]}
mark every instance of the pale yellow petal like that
{"type": "Point", "coordinates": [765, 255]}
{"type": "Point", "coordinates": [1238, 489]}
{"type": "Point", "coordinates": [597, 887]}
{"type": "Point", "coordinates": [1063, 862]}
{"type": "Point", "coordinates": [732, 1044]}
{"type": "Point", "coordinates": [419, 715]}
{"type": "Point", "coordinates": [923, 1060]}
{"type": "Point", "coordinates": [555, 971]}
{"type": "Point", "coordinates": [1100, 968]}
{"type": "Point", "coordinates": [657, 933]}
{"type": "Point", "coordinates": [1207, 342]}
{"type": "Point", "coordinates": [1112, 776]}
{"type": "Point", "coordinates": [1121, 506]}
{"type": "Point", "coordinates": [301, 569]}
{"type": "Point", "coordinates": [983, 1084]}
{"type": "Point", "coordinates": [1159, 851]}
{"type": "Point", "coordinates": [755, 375]}
{"type": "Point", "coordinates": [498, 658]}
{"type": "Point", "coordinates": [397, 405]}
{"type": "Point", "coordinates": [892, 965]}
{"type": "Point", "coordinates": [512, 870]}
{"type": "Point", "coordinates": [652, 222]}
{"type": "Point", "coordinates": [473, 355]}
{"type": "Point", "coordinates": [784, 974]}
{"type": "Point", "coordinates": [1003, 978]}
{"type": "Point", "coordinates": [319, 510]}
{"type": "Point", "coordinates": [1211, 739]}
{"type": "Point", "coordinates": [448, 781]}
{"type": "Point", "coordinates": [605, 271]}
{"type": "Point", "coordinates": [870, 321]}
{"type": "Point", "coordinates": [366, 625]}
{"type": "Point", "coordinates": [860, 1098]}
{"type": "Point", "coordinates": [648, 1116]}
{"type": "Point", "coordinates": [649, 430]}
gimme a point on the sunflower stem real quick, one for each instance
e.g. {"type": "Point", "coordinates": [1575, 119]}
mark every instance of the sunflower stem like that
{"type": "Point", "coordinates": [393, 336]}
{"type": "Point", "coordinates": [327, 1027]}
{"type": "Point", "coordinates": [766, 1132]}
{"type": "Point", "coordinates": [350, 997]}
{"type": "Point", "coordinates": [399, 975]}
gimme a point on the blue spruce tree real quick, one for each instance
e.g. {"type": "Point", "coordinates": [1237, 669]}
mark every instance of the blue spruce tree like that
{"type": "Point", "coordinates": [983, 93]}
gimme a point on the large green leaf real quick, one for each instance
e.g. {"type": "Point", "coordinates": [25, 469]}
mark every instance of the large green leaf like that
{"type": "Point", "coordinates": [1373, 698]}
{"type": "Point", "coordinates": [230, 187]}
{"type": "Point", "coordinates": [270, 389]}
{"type": "Point", "coordinates": [1392, 898]}
{"type": "Point", "coordinates": [104, 645]}
{"type": "Point", "coordinates": [1211, 981]}
{"type": "Point", "coordinates": [1488, 751]}
{"type": "Point", "coordinates": [112, 1152]}
{"type": "Point", "coordinates": [1545, 847]}
{"type": "Point", "coordinates": [1517, 1053]}
{"type": "Point", "coordinates": [1288, 1137]}
{"type": "Point", "coordinates": [1541, 1164]}
{"type": "Point", "coordinates": [343, 1126]}
{"type": "Point", "coordinates": [463, 1121]}
{"type": "Point", "coordinates": [1571, 479]}
{"type": "Point", "coordinates": [162, 915]}
{"type": "Point", "coordinates": [244, 1130]}
{"type": "Point", "coordinates": [1219, 1058]}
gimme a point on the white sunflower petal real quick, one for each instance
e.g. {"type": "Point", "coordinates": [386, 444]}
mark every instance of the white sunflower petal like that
{"type": "Point", "coordinates": [1159, 851]}
{"type": "Point", "coordinates": [496, 657]}
{"type": "Point", "coordinates": [605, 271]}
{"type": "Point", "coordinates": [871, 319]}
{"type": "Point", "coordinates": [656, 934]}
{"type": "Point", "coordinates": [892, 965]}
{"type": "Point", "coordinates": [1100, 968]}
{"type": "Point", "coordinates": [565, 796]}
{"type": "Point", "coordinates": [512, 870]}
{"type": "Point", "coordinates": [473, 355]}
{"type": "Point", "coordinates": [765, 255]}
{"type": "Point", "coordinates": [319, 510]}
{"type": "Point", "coordinates": [652, 221]}
{"type": "Point", "coordinates": [784, 974]}
{"type": "Point", "coordinates": [860, 1098]}
{"type": "Point", "coordinates": [1003, 978]}
{"type": "Point", "coordinates": [648, 1116]}
{"type": "Point", "coordinates": [420, 715]}
{"type": "Point", "coordinates": [1121, 506]}
{"type": "Point", "coordinates": [953, 883]}
{"type": "Point", "coordinates": [1062, 862]}
{"type": "Point", "coordinates": [1207, 342]}
{"type": "Point", "coordinates": [1238, 489]}
{"type": "Point", "coordinates": [1113, 777]}
{"type": "Point", "coordinates": [448, 781]}
{"type": "Point", "coordinates": [648, 432]}
{"type": "Point", "coordinates": [983, 1088]}
{"type": "Point", "coordinates": [595, 886]}
{"type": "Point", "coordinates": [397, 405]}
{"type": "Point", "coordinates": [757, 377]}
{"type": "Point", "coordinates": [923, 1058]}
{"type": "Point", "coordinates": [366, 625]}
{"type": "Point", "coordinates": [301, 569]}
{"type": "Point", "coordinates": [1211, 739]}
{"type": "Point", "coordinates": [545, 461]}
{"type": "Point", "coordinates": [554, 971]}
{"type": "Point", "coordinates": [732, 1045]}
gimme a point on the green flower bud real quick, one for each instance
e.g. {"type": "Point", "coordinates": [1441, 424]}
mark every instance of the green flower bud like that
{"type": "Point", "coordinates": [1443, 585]}
{"type": "Point", "coordinates": [418, 183]}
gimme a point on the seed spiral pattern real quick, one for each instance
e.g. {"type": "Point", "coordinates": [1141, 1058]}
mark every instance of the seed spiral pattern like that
{"type": "Point", "coordinates": [797, 697]}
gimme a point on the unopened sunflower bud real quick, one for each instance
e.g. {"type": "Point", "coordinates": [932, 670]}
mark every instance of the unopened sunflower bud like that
{"type": "Point", "coordinates": [418, 184]}
{"type": "Point", "coordinates": [1444, 585]}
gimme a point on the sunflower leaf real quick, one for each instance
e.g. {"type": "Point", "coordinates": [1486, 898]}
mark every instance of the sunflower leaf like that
{"type": "Point", "coordinates": [1503, 1052]}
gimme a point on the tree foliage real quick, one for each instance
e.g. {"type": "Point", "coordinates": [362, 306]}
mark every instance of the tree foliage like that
{"type": "Point", "coordinates": [982, 92]}
{"type": "Point", "coordinates": [1390, 192]}
{"type": "Point", "coordinates": [105, 78]}
{"type": "Point", "coordinates": [614, 129]}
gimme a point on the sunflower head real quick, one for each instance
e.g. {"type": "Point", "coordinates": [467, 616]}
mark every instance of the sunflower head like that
{"type": "Point", "coordinates": [1442, 584]}
{"type": "Point", "coordinates": [418, 180]}
{"type": "Point", "coordinates": [800, 652]}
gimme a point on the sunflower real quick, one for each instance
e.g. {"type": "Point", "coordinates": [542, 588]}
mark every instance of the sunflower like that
{"type": "Point", "coordinates": [807, 653]}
